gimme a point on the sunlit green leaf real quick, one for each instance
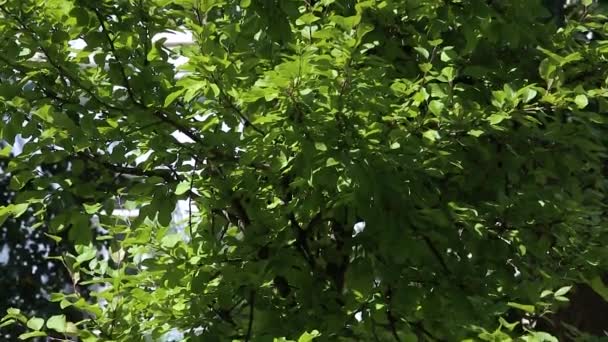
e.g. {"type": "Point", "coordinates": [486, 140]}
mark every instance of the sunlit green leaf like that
{"type": "Point", "coordinates": [35, 323]}
{"type": "Point", "coordinates": [57, 323]}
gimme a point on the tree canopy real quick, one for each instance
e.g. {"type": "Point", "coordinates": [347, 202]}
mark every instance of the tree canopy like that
{"type": "Point", "coordinates": [398, 170]}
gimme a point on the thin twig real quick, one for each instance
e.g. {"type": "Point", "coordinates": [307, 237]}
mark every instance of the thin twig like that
{"type": "Point", "coordinates": [139, 129]}
{"type": "Point", "coordinates": [190, 200]}
{"type": "Point", "coordinates": [436, 254]}
{"type": "Point", "coordinates": [167, 175]}
{"type": "Point", "coordinates": [72, 278]}
{"type": "Point", "coordinates": [374, 330]}
{"type": "Point", "coordinates": [250, 324]}
{"type": "Point", "coordinates": [301, 242]}
{"type": "Point", "coordinates": [419, 326]}
{"type": "Point", "coordinates": [389, 314]}
{"type": "Point", "coordinates": [226, 98]}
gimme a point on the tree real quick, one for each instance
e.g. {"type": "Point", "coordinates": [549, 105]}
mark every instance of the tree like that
{"type": "Point", "coordinates": [355, 170]}
{"type": "Point", "coordinates": [27, 276]}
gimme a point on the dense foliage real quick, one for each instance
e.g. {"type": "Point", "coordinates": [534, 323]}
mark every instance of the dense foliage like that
{"type": "Point", "coordinates": [27, 276]}
{"type": "Point", "coordinates": [355, 170]}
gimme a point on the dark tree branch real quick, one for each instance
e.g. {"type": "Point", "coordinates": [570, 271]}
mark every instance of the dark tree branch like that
{"type": "Point", "coordinates": [374, 333]}
{"type": "Point", "coordinates": [145, 23]}
{"type": "Point", "coordinates": [436, 254]}
{"type": "Point", "coordinates": [139, 129]}
{"type": "Point", "coordinates": [420, 327]}
{"type": "Point", "coordinates": [167, 175]}
{"type": "Point", "coordinates": [34, 35]}
{"type": "Point", "coordinates": [226, 99]}
{"type": "Point", "coordinates": [121, 67]}
{"type": "Point", "coordinates": [190, 200]}
{"type": "Point", "coordinates": [301, 241]}
{"type": "Point", "coordinates": [389, 315]}
{"type": "Point", "coordinates": [251, 308]}
{"type": "Point", "coordinates": [161, 115]}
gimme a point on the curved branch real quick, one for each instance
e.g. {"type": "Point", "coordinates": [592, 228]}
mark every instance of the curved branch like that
{"type": "Point", "coordinates": [123, 73]}
{"type": "Point", "coordinates": [250, 324]}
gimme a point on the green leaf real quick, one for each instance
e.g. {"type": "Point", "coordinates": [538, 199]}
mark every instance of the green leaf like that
{"type": "Point", "coordinates": [307, 19]}
{"type": "Point", "coordinates": [173, 96]}
{"type": "Point", "coordinates": [53, 237]}
{"type": "Point", "coordinates": [425, 67]}
{"type": "Point", "coordinates": [538, 336]}
{"type": "Point", "coordinates": [35, 323]}
{"type": "Point", "coordinates": [436, 107]}
{"type": "Point", "coordinates": [320, 146]}
{"type": "Point", "coordinates": [85, 253]}
{"type": "Point", "coordinates": [447, 55]}
{"type": "Point", "coordinates": [169, 241]}
{"type": "Point", "coordinates": [13, 311]}
{"type": "Point", "coordinates": [331, 162]}
{"type": "Point", "coordinates": [346, 23]}
{"type": "Point", "coordinates": [6, 151]}
{"type": "Point", "coordinates": [91, 208]}
{"type": "Point", "coordinates": [309, 336]}
{"type": "Point", "coordinates": [45, 112]}
{"type": "Point", "coordinates": [435, 42]}
{"type": "Point", "coordinates": [545, 293]}
{"type": "Point", "coordinates": [117, 255]}
{"type": "Point", "coordinates": [32, 334]}
{"type": "Point", "coordinates": [449, 73]}
{"type": "Point", "coordinates": [165, 211]}
{"type": "Point", "coordinates": [547, 69]}
{"type": "Point", "coordinates": [431, 135]}
{"type": "Point", "coordinates": [424, 52]}
{"type": "Point", "coordinates": [7, 322]}
{"type": "Point", "coordinates": [509, 326]}
{"type": "Point", "coordinates": [562, 291]}
{"type": "Point", "coordinates": [523, 307]}
{"type": "Point", "coordinates": [182, 187]}
{"type": "Point", "coordinates": [245, 3]}
{"type": "Point", "coordinates": [57, 323]}
{"type": "Point", "coordinates": [497, 118]}
{"type": "Point", "coordinates": [529, 95]}
{"type": "Point", "coordinates": [19, 209]}
{"type": "Point", "coordinates": [581, 101]}
{"type": "Point", "coordinates": [475, 132]}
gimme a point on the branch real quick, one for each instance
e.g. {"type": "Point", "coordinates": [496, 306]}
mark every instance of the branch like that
{"type": "Point", "coordinates": [157, 113]}
{"type": "Point", "coordinates": [167, 175]}
{"type": "Point", "coordinates": [226, 98]}
{"type": "Point", "coordinates": [442, 262]}
{"type": "Point", "coordinates": [113, 50]}
{"type": "Point", "coordinates": [34, 35]}
{"type": "Point", "coordinates": [144, 19]}
{"type": "Point", "coordinates": [251, 307]}
{"type": "Point", "coordinates": [301, 242]}
{"type": "Point", "coordinates": [180, 127]}
{"type": "Point", "coordinates": [190, 201]}
{"type": "Point", "coordinates": [436, 254]}
{"type": "Point", "coordinates": [139, 129]}
{"type": "Point", "coordinates": [420, 326]}
{"type": "Point", "coordinates": [223, 315]}
{"type": "Point", "coordinates": [374, 330]}
{"type": "Point", "coordinates": [389, 315]}
{"type": "Point", "coordinates": [94, 96]}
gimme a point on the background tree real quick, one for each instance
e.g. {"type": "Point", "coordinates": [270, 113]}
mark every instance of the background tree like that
{"type": "Point", "coordinates": [361, 170]}
{"type": "Point", "coordinates": [28, 277]}
{"type": "Point", "coordinates": [31, 260]}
